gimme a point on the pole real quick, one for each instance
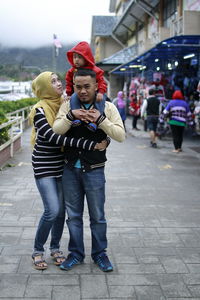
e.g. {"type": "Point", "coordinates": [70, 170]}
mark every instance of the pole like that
{"type": "Point", "coordinates": [54, 58]}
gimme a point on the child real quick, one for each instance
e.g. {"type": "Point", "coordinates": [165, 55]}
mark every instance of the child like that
{"type": "Point", "coordinates": [80, 56]}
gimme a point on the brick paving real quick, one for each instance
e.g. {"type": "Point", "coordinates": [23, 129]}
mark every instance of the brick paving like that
{"type": "Point", "coordinates": [153, 213]}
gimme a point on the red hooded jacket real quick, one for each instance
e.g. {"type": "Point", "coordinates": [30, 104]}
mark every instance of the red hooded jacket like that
{"type": "Point", "coordinates": [83, 48]}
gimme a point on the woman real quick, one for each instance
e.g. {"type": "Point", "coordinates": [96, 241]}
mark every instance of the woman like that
{"type": "Point", "coordinates": [121, 106]}
{"type": "Point", "coordinates": [179, 113]}
{"type": "Point", "coordinates": [47, 162]}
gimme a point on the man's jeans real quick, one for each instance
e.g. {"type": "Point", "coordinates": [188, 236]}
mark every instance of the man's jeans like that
{"type": "Point", "coordinates": [53, 218]}
{"type": "Point", "coordinates": [76, 185]}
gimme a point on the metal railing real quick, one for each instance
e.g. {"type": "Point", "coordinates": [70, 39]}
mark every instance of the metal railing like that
{"type": "Point", "coordinates": [15, 131]}
{"type": "Point", "coordinates": [23, 113]}
{"type": "Point", "coordinates": [17, 122]}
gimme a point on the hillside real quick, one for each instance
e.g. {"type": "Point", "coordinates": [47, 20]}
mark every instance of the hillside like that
{"type": "Point", "coordinates": [39, 57]}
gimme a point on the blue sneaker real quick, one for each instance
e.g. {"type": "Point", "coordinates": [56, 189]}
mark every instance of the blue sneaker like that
{"type": "Point", "coordinates": [103, 263]}
{"type": "Point", "coordinates": [70, 262]}
{"type": "Point", "coordinates": [92, 127]}
{"type": "Point", "coordinates": [76, 123]}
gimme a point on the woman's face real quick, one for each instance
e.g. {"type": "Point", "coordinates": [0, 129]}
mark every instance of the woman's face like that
{"type": "Point", "coordinates": [56, 84]}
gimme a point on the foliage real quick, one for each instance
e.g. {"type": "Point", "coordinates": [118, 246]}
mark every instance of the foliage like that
{"type": "Point", "coordinates": [4, 136]}
{"type": "Point", "coordinates": [10, 106]}
{"type": "Point", "coordinates": [21, 64]}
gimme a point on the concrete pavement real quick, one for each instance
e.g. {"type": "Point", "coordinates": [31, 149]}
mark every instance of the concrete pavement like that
{"type": "Point", "coordinates": [153, 214]}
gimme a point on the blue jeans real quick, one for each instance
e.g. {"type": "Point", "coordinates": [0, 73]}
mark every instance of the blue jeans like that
{"type": "Point", "coordinates": [75, 103]}
{"type": "Point", "coordinates": [53, 218]}
{"type": "Point", "coordinates": [76, 185]}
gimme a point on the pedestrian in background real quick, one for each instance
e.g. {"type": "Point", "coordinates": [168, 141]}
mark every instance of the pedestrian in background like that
{"type": "Point", "coordinates": [152, 107]}
{"type": "Point", "coordinates": [179, 114]}
{"type": "Point", "coordinates": [121, 106]}
{"type": "Point", "coordinates": [134, 110]}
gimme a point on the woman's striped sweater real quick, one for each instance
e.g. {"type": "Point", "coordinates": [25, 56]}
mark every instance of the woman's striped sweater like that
{"type": "Point", "coordinates": [47, 157]}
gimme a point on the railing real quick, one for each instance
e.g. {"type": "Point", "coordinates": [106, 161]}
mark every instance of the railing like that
{"type": "Point", "coordinates": [18, 121]}
{"type": "Point", "coordinates": [23, 113]}
{"type": "Point", "coordinates": [15, 132]}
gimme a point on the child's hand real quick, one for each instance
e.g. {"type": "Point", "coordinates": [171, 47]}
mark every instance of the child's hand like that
{"type": "Point", "coordinates": [99, 97]}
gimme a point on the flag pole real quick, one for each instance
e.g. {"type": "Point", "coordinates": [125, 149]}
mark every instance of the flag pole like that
{"type": "Point", "coordinates": [56, 46]}
{"type": "Point", "coordinates": [54, 58]}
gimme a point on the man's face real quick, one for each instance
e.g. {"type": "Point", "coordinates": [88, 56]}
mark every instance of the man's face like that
{"type": "Point", "coordinates": [85, 87]}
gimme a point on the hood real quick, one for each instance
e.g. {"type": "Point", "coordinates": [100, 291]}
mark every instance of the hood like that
{"type": "Point", "coordinates": [178, 95]}
{"type": "Point", "coordinates": [82, 48]}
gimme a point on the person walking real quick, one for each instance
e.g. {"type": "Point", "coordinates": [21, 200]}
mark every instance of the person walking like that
{"type": "Point", "coordinates": [84, 171]}
{"type": "Point", "coordinates": [121, 106]}
{"type": "Point", "coordinates": [134, 110]}
{"type": "Point", "coordinates": [152, 107]}
{"type": "Point", "coordinates": [47, 162]}
{"type": "Point", "coordinates": [179, 114]}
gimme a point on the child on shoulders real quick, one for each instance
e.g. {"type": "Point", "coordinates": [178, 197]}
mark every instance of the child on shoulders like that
{"type": "Point", "coordinates": [80, 56]}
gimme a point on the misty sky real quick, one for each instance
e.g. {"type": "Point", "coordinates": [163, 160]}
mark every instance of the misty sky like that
{"type": "Point", "coordinates": [32, 23]}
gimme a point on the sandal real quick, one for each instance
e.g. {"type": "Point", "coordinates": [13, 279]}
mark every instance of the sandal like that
{"type": "Point", "coordinates": [58, 257]}
{"type": "Point", "coordinates": [39, 262]}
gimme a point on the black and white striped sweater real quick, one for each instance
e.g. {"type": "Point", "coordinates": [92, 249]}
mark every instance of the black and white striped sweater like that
{"type": "Point", "coordinates": [47, 157]}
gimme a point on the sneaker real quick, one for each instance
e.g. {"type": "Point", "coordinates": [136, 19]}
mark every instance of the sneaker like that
{"type": "Point", "coordinates": [92, 127]}
{"type": "Point", "coordinates": [103, 263]}
{"type": "Point", "coordinates": [76, 123]}
{"type": "Point", "coordinates": [70, 262]}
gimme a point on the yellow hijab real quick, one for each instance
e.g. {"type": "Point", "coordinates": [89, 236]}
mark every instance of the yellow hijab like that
{"type": "Point", "coordinates": [50, 100]}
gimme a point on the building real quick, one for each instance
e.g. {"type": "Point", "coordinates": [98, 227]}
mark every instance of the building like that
{"type": "Point", "coordinates": [155, 36]}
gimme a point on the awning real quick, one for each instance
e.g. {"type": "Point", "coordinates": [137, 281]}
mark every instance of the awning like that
{"type": "Point", "coordinates": [171, 49]}
{"type": "Point", "coordinates": [132, 14]}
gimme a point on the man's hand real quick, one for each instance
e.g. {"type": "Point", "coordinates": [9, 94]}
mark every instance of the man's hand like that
{"type": "Point", "coordinates": [93, 115]}
{"type": "Point", "coordinates": [80, 114]}
{"type": "Point", "coordinates": [101, 146]}
{"type": "Point", "coordinates": [99, 97]}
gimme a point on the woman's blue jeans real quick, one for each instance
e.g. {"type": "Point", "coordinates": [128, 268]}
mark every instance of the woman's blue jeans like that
{"type": "Point", "coordinates": [53, 218]}
{"type": "Point", "coordinates": [76, 185]}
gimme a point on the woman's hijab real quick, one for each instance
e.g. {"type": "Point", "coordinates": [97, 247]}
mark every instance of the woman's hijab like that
{"type": "Point", "coordinates": [120, 101]}
{"type": "Point", "coordinates": [50, 101]}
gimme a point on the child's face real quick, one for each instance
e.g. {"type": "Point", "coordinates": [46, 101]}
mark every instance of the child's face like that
{"type": "Point", "coordinates": [78, 60]}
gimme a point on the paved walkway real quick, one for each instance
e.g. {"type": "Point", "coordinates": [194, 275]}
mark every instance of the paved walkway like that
{"type": "Point", "coordinates": [153, 213]}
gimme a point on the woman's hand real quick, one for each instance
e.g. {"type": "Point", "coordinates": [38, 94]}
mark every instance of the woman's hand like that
{"type": "Point", "coordinates": [101, 146]}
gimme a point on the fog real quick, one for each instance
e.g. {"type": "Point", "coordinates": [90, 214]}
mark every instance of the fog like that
{"type": "Point", "coordinates": [27, 23]}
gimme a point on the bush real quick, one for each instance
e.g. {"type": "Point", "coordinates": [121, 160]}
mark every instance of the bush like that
{"type": "Point", "coordinates": [10, 106]}
{"type": "Point", "coordinates": [4, 136]}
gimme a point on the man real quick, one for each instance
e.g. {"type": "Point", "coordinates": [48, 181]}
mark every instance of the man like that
{"type": "Point", "coordinates": [152, 107]}
{"type": "Point", "coordinates": [84, 170]}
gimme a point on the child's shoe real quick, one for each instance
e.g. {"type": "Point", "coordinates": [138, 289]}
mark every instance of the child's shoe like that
{"type": "Point", "coordinates": [92, 127]}
{"type": "Point", "coordinates": [76, 123]}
